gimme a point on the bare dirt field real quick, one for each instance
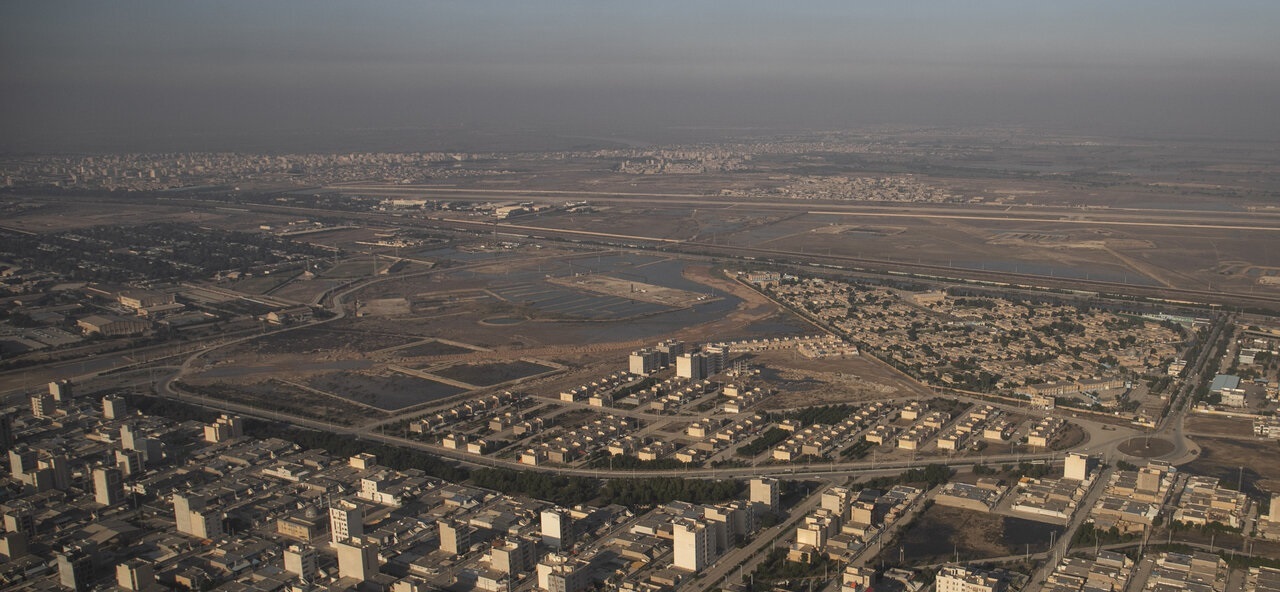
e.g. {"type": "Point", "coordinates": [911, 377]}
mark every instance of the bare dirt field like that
{"type": "Point", "coordinates": [260, 284]}
{"type": "Point", "coordinates": [1224, 458]}
{"type": "Point", "coordinates": [1212, 425]}
{"type": "Point", "coordinates": [430, 348]}
{"type": "Point", "coordinates": [383, 390]}
{"type": "Point", "coordinates": [853, 379]}
{"type": "Point", "coordinates": [631, 289]}
{"type": "Point", "coordinates": [942, 532]}
{"type": "Point", "coordinates": [61, 217]}
{"type": "Point", "coordinates": [307, 290]}
{"type": "Point", "coordinates": [623, 220]}
{"type": "Point", "coordinates": [328, 338]}
{"type": "Point", "coordinates": [274, 395]}
{"type": "Point", "coordinates": [348, 357]}
{"type": "Point", "coordinates": [345, 238]}
{"type": "Point", "coordinates": [491, 374]}
{"type": "Point", "coordinates": [355, 267]}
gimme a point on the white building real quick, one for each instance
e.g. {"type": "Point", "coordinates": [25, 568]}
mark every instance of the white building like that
{"type": "Point", "coordinates": [764, 491]}
{"type": "Point", "coordinates": [346, 520]}
{"type": "Point", "coordinates": [694, 545]}
{"type": "Point", "coordinates": [108, 486]}
{"type": "Point", "coordinates": [302, 561]}
{"type": "Point", "coordinates": [959, 578]}
{"type": "Point", "coordinates": [692, 366]}
{"type": "Point", "coordinates": [357, 559]}
{"type": "Point", "coordinates": [645, 361]}
{"type": "Point", "coordinates": [114, 407]}
{"type": "Point", "coordinates": [557, 573]}
{"type": "Point", "coordinates": [1076, 467]}
{"type": "Point", "coordinates": [557, 528]}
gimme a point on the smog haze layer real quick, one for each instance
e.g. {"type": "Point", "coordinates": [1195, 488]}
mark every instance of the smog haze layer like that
{"type": "Point", "coordinates": [304, 75]}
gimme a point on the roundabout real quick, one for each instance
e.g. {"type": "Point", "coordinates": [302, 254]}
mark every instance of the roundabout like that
{"type": "Point", "coordinates": [1146, 447]}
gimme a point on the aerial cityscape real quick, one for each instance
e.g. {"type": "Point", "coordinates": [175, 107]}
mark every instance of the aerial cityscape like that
{"type": "Point", "coordinates": [667, 327]}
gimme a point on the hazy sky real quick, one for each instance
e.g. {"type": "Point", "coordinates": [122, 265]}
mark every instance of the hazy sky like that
{"type": "Point", "coordinates": [79, 74]}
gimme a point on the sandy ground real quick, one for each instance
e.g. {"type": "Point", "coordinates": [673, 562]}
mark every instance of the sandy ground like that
{"type": "Point", "coordinates": [837, 380]}
{"type": "Point", "coordinates": [610, 286]}
{"type": "Point", "coordinates": [1225, 459]}
{"type": "Point", "coordinates": [1218, 426]}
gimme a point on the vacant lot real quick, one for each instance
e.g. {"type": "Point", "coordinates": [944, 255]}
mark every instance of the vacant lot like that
{"type": "Point", "coordinates": [853, 379]}
{"type": "Point", "coordinates": [260, 284]}
{"type": "Point", "coordinates": [430, 348]}
{"type": "Point", "coordinates": [389, 391]}
{"type": "Point", "coordinates": [1218, 426]}
{"type": "Point", "coordinates": [277, 396]}
{"type": "Point", "coordinates": [1257, 464]}
{"type": "Point", "coordinates": [326, 339]}
{"type": "Point", "coordinates": [355, 267]}
{"type": "Point", "coordinates": [306, 290]}
{"type": "Point", "coordinates": [491, 374]}
{"type": "Point", "coordinates": [941, 533]}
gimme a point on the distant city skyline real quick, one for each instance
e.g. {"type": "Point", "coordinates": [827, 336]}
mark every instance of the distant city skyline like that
{"type": "Point", "coordinates": [194, 76]}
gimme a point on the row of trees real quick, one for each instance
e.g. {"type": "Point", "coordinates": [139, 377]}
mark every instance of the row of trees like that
{"type": "Point", "coordinates": [931, 475]}
{"type": "Point", "coordinates": [660, 490]}
{"type": "Point", "coordinates": [827, 414]}
{"type": "Point", "coordinates": [765, 441]}
{"type": "Point", "coordinates": [566, 491]}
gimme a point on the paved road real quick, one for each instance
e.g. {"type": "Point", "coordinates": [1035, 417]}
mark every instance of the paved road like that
{"type": "Point", "coordinates": [836, 470]}
{"type": "Point", "coordinates": [1172, 426]}
{"type": "Point", "coordinates": [370, 432]}
{"type": "Point", "coordinates": [1063, 544]}
{"type": "Point", "coordinates": [747, 558]}
{"type": "Point", "coordinates": [874, 545]}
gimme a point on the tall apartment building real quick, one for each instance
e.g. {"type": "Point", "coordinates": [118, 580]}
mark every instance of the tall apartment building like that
{"type": "Point", "coordinates": [514, 556]}
{"type": "Point", "coordinates": [61, 390]}
{"type": "Point", "coordinates": [357, 559]}
{"type": "Point", "coordinates": [692, 366]}
{"type": "Point", "coordinates": [41, 469]}
{"type": "Point", "coordinates": [717, 358]}
{"type": "Point", "coordinates": [43, 405]}
{"type": "Point", "coordinates": [1076, 467]}
{"type": "Point", "coordinates": [346, 521]}
{"type": "Point", "coordinates": [194, 516]}
{"type": "Point", "coordinates": [20, 516]}
{"type": "Point", "coordinates": [557, 528]}
{"type": "Point", "coordinates": [670, 350]}
{"type": "Point", "coordinates": [455, 537]}
{"type": "Point", "coordinates": [557, 573]}
{"type": "Point", "coordinates": [7, 437]}
{"type": "Point", "coordinates": [644, 362]}
{"type": "Point", "coordinates": [114, 407]}
{"type": "Point", "coordinates": [136, 574]}
{"type": "Point", "coordinates": [302, 561]}
{"type": "Point", "coordinates": [75, 569]}
{"type": "Point", "coordinates": [838, 500]}
{"type": "Point", "coordinates": [108, 486]}
{"type": "Point", "coordinates": [224, 428]}
{"type": "Point", "coordinates": [693, 545]}
{"type": "Point", "coordinates": [129, 462]}
{"type": "Point", "coordinates": [765, 492]}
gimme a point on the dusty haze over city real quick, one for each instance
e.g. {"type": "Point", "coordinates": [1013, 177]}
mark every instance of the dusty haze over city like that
{"type": "Point", "coordinates": [306, 76]}
{"type": "Point", "coordinates": [655, 296]}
